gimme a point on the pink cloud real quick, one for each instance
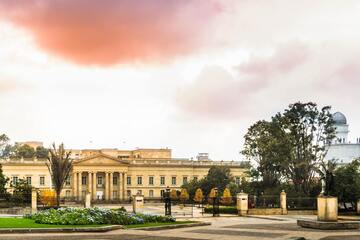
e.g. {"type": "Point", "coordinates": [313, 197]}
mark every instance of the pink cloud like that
{"type": "Point", "coordinates": [109, 32]}
{"type": "Point", "coordinates": [216, 93]}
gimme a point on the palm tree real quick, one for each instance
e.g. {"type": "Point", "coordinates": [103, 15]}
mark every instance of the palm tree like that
{"type": "Point", "coordinates": [59, 165]}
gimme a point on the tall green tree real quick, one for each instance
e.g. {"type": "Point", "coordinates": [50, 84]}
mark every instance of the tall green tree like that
{"type": "Point", "coordinates": [5, 147]}
{"type": "Point", "coordinates": [267, 144]}
{"type": "Point", "coordinates": [59, 164]}
{"type": "Point", "coordinates": [311, 129]}
{"type": "Point", "coordinates": [291, 146]}
{"type": "Point", "coordinates": [347, 183]}
{"type": "Point", "coordinates": [23, 151]}
{"type": "Point", "coordinates": [3, 181]}
{"type": "Point", "coordinates": [42, 152]}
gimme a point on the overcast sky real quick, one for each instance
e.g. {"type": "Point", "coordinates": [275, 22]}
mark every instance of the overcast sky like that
{"type": "Point", "coordinates": [188, 75]}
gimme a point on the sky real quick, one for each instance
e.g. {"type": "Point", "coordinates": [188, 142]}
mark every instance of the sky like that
{"type": "Point", "coordinates": [190, 75]}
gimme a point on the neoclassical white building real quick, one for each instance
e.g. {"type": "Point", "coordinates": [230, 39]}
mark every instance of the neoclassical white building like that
{"type": "Point", "coordinates": [341, 149]}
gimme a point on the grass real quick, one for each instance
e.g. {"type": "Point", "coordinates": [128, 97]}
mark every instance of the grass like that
{"type": "Point", "coordinates": [157, 224]}
{"type": "Point", "coordinates": [29, 223]}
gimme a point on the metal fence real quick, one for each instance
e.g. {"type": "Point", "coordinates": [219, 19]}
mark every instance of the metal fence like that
{"type": "Point", "coordinates": [301, 203]}
{"type": "Point", "coordinates": [264, 201]}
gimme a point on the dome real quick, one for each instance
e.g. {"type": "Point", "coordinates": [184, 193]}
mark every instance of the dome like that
{"type": "Point", "coordinates": [339, 118]}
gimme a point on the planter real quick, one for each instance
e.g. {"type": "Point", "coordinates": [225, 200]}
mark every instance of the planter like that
{"type": "Point", "coordinates": [327, 208]}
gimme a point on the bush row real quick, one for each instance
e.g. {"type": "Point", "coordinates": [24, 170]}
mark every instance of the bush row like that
{"type": "Point", "coordinates": [223, 209]}
{"type": "Point", "coordinates": [88, 216]}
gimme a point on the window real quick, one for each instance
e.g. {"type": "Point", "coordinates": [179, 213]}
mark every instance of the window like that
{"type": "Point", "coordinates": [28, 180]}
{"type": "Point", "coordinates": [162, 180]}
{"type": "Point", "coordinates": [83, 180]}
{"type": "Point", "coordinates": [185, 180]}
{"type": "Point", "coordinates": [139, 192]}
{"type": "Point", "coordinates": [128, 193]}
{"type": "Point", "coordinates": [115, 194]}
{"type": "Point", "coordinates": [128, 180]}
{"type": "Point", "coordinates": [67, 182]}
{"type": "Point", "coordinates": [151, 180]}
{"type": "Point", "coordinates": [195, 178]}
{"type": "Point", "coordinates": [115, 180]}
{"type": "Point", "coordinates": [42, 181]}
{"type": "Point", "coordinates": [173, 180]}
{"type": "Point", "coordinates": [162, 192]}
{"type": "Point", "coordinates": [237, 180]}
{"type": "Point", "coordinates": [100, 181]}
{"type": "Point", "coordinates": [83, 193]}
{"type": "Point", "coordinates": [67, 193]}
{"type": "Point", "coordinates": [139, 180]}
{"type": "Point", "coordinates": [14, 180]}
{"type": "Point", "coordinates": [151, 193]}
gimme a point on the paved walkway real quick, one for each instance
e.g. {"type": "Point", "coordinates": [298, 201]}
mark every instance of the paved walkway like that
{"type": "Point", "coordinates": [222, 228]}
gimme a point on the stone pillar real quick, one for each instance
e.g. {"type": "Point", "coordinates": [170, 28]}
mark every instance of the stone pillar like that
{"type": "Point", "coordinates": [94, 186]}
{"type": "Point", "coordinates": [89, 183]}
{"type": "Point", "coordinates": [88, 200]}
{"type": "Point", "coordinates": [33, 201]}
{"type": "Point", "coordinates": [75, 186]}
{"type": "Point", "coordinates": [124, 185]}
{"type": "Point", "coordinates": [111, 185]}
{"type": "Point", "coordinates": [106, 186]}
{"type": "Point", "coordinates": [283, 203]}
{"type": "Point", "coordinates": [358, 207]}
{"type": "Point", "coordinates": [242, 203]}
{"type": "Point", "coordinates": [327, 208]}
{"type": "Point", "coordinates": [138, 203]}
{"type": "Point", "coordinates": [79, 186]}
{"type": "Point", "coordinates": [120, 181]}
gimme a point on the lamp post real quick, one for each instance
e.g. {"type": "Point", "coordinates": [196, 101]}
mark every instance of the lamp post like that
{"type": "Point", "coordinates": [167, 201]}
{"type": "Point", "coordinates": [215, 203]}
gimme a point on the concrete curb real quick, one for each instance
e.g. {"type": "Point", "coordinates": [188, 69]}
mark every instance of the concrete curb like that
{"type": "Point", "coordinates": [61, 230]}
{"type": "Point", "coordinates": [165, 227]}
{"type": "Point", "coordinates": [266, 218]}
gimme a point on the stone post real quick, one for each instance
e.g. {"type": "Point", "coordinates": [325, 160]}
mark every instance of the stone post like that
{"type": "Point", "coordinates": [34, 201]}
{"type": "Point", "coordinates": [283, 203]}
{"type": "Point", "coordinates": [358, 206]}
{"type": "Point", "coordinates": [138, 203]}
{"type": "Point", "coordinates": [327, 208]}
{"type": "Point", "coordinates": [88, 200]}
{"type": "Point", "coordinates": [242, 203]}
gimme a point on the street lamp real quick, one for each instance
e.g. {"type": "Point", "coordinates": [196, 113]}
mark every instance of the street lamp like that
{"type": "Point", "coordinates": [167, 201]}
{"type": "Point", "coordinates": [215, 203]}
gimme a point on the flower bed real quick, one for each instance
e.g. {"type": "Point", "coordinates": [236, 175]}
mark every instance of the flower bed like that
{"type": "Point", "coordinates": [88, 216]}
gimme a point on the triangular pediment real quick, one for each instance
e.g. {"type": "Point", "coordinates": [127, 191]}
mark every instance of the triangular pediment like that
{"type": "Point", "coordinates": [100, 159]}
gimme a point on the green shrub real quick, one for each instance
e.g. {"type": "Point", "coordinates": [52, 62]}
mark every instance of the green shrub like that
{"type": "Point", "coordinates": [223, 210]}
{"type": "Point", "coordinates": [88, 216]}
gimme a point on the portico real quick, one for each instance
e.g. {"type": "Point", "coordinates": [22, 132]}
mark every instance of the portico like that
{"type": "Point", "coordinates": [103, 176]}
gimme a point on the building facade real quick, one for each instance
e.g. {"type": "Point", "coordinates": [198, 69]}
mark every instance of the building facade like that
{"type": "Point", "coordinates": [342, 149]}
{"type": "Point", "coordinates": [118, 174]}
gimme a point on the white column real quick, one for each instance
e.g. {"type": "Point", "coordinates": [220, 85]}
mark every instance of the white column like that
{"type": "Point", "coordinates": [124, 185]}
{"type": "Point", "coordinates": [75, 185]}
{"type": "Point", "coordinates": [94, 185]}
{"type": "Point", "coordinates": [120, 182]}
{"type": "Point", "coordinates": [111, 185]}
{"type": "Point", "coordinates": [106, 186]}
{"type": "Point", "coordinates": [79, 185]}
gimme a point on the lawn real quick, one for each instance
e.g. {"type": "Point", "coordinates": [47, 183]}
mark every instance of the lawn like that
{"type": "Point", "coordinates": [29, 223]}
{"type": "Point", "coordinates": [157, 224]}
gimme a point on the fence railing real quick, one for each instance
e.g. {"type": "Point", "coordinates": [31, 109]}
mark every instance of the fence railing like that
{"type": "Point", "coordinates": [301, 203]}
{"type": "Point", "coordinates": [264, 201]}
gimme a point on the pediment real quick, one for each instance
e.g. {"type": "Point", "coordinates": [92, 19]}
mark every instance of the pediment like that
{"type": "Point", "coordinates": [100, 159]}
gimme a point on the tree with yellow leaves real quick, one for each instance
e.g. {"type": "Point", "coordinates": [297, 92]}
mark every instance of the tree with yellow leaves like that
{"type": "Point", "coordinates": [48, 197]}
{"type": "Point", "coordinates": [199, 197]}
{"type": "Point", "coordinates": [226, 198]}
{"type": "Point", "coordinates": [212, 195]}
{"type": "Point", "coordinates": [184, 195]}
{"type": "Point", "coordinates": [173, 195]}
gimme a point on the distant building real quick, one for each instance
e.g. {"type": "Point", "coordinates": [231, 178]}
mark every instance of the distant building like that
{"type": "Point", "coordinates": [341, 149]}
{"type": "Point", "coordinates": [118, 174]}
